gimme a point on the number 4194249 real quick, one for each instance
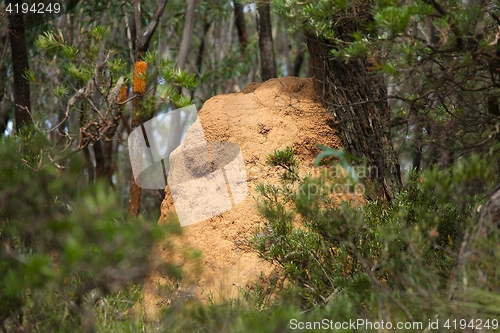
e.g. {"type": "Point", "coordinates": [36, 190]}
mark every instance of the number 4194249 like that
{"type": "Point", "coordinates": [477, 324]}
{"type": "Point", "coordinates": [36, 8]}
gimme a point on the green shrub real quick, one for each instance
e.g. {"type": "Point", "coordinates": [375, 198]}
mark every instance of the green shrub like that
{"type": "Point", "coordinates": [388, 260]}
{"type": "Point", "coordinates": [64, 243]}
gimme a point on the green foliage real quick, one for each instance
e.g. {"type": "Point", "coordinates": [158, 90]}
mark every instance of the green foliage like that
{"type": "Point", "coordinates": [286, 159]}
{"type": "Point", "coordinates": [150, 57]}
{"type": "Point", "coordinates": [64, 243]}
{"type": "Point", "coordinates": [171, 80]}
{"type": "Point", "coordinates": [343, 157]}
{"type": "Point", "coordinates": [29, 76]}
{"type": "Point", "coordinates": [395, 19]}
{"type": "Point", "coordinates": [48, 41]}
{"type": "Point", "coordinates": [313, 17]}
{"type": "Point", "coordinates": [61, 91]}
{"type": "Point", "coordinates": [397, 257]}
{"type": "Point", "coordinates": [429, 54]}
{"type": "Point", "coordinates": [99, 32]}
{"type": "Point", "coordinates": [82, 66]}
{"type": "Point", "coordinates": [117, 65]}
{"type": "Point", "coordinates": [52, 43]}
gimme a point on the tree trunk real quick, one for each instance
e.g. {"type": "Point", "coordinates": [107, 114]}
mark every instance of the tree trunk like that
{"type": "Point", "coordinates": [417, 144]}
{"type": "Point", "coordinates": [139, 89]}
{"type": "Point", "coordinates": [266, 46]}
{"type": "Point", "coordinates": [19, 66]}
{"type": "Point", "coordinates": [239, 22]}
{"type": "Point", "coordinates": [4, 117]}
{"type": "Point", "coordinates": [109, 136]}
{"type": "Point", "coordinates": [201, 50]}
{"type": "Point", "coordinates": [299, 59]}
{"type": "Point", "coordinates": [432, 129]}
{"type": "Point", "coordinates": [89, 165]}
{"type": "Point", "coordinates": [100, 164]}
{"type": "Point", "coordinates": [4, 110]}
{"type": "Point", "coordinates": [187, 34]}
{"type": "Point", "coordinates": [142, 44]}
{"type": "Point", "coordinates": [357, 98]}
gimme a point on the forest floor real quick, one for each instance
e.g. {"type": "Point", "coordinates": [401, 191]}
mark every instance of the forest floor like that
{"type": "Point", "coordinates": [261, 118]}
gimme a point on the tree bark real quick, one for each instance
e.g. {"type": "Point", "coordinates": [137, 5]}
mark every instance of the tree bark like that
{"type": "Point", "coordinates": [358, 100]}
{"type": "Point", "coordinates": [100, 161]}
{"type": "Point", "coordinates": [109, 135]}
{"type": "Point", "coordinates": [201, 50]}
{"type": "Point", "coordinates": [186, 35]}
{"type": "Point", "coordinates": [20, 64]}
{"type": "Point", "coordinates": [4, 118]}
{"type": "Point", "coordinates": [142, 45]}
{"type": "Point", "coordinates": [417, 144]}
{"type": "Point", "coordinates": [175, 134]}
{"type": "Point", "coordinates": [143, 38]}
{"type": "Point", "coordinates": [299, 59]}
{"type": "Point", "coordinates": [4, 111]}
{"type": "Point", "coordinates": [266, 46]}
{"type": "Point", "coordinates": [89, 166]}
{"type": "Point", "coordinates": [241, 28]}
{"type": "Point", "coordinates": [139, 88]}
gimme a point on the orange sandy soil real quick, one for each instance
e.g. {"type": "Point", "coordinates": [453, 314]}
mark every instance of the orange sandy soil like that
{"type": "Point", "coordinates": [261, 118]}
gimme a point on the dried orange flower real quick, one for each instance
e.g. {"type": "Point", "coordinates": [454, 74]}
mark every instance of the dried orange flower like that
{"type": "Point", "coordinates": [139, 77]}
{"type": "Point", "coordinates": [123, 94]}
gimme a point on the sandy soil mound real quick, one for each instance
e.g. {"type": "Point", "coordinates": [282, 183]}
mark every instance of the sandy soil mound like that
{"type": "Point", "coordinates": [259, 119]}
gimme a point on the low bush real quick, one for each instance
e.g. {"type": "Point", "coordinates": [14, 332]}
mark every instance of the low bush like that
{"type": "Point", "coordinates": [64, 244]}
{"type": "Point", "coordinates": [384, 261]}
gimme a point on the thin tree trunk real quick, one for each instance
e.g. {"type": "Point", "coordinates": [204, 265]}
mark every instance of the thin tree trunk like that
{"type": "Point", "coordinates": [4, 111]}
{"type": "Point", "coordinates": [201, 51]}
{"type": "Point", "coordinates": [432, 129]}
{"type": "Point", "coordinates": [19, 66]}
{"type": "Point", "coordinates": [297, 63]}
{"type": "Point", "coordinates": [175, 134]}
{"type": "Point", "coordinates": [109, 135]}
{"type": "Point", "coordinates": [239, 22]}
{"type": "Point", "coordinates": [89, 166]}
{"type": "Point", "coordinates": [4, 118]}
{"type": "Point", "coordinates": [108, 159]}
{"type": "Point", "coordinates": [134, 202]}
{"type": "Point", "coordinates": [83, 143]}
{"type": "Point", "coordinates": [417, 144]}
{"type": "Point", "coordinates": [100, 163]}
{"type": "Point", "coordinates": [175, 123]}
{"type": "Point", "coordinates": [187, 34]}
{"type": "Point", "coordinates": [310, 68]}
{"type": "Point", "coordinates": [493, 107]}
{"type": "Point", "coordinates": [299, 59]}
{"type": "Point", "coordinates": [357, 98]}
{"type": "Point", "coordinates": [139, 88]}
{"type": "Point", "coordinates": [266, 46]}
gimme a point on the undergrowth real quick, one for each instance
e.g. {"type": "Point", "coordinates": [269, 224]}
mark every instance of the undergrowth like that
{"type": "Point", "coordinates": [72, 261]}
